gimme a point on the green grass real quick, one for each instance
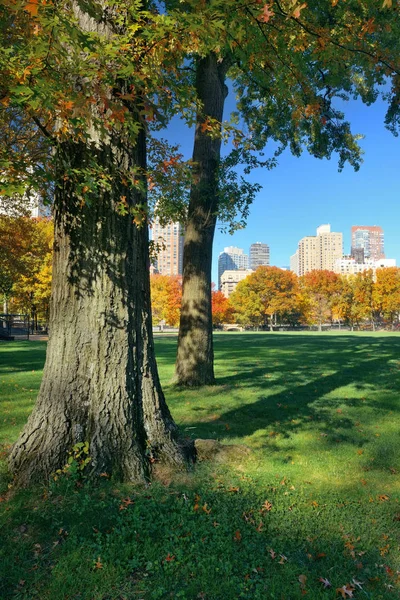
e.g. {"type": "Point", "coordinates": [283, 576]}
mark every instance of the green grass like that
{"type": "Point", "coordinates": [320, 414]}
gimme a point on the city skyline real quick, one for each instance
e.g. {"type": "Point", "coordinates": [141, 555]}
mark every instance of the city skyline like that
{"type": "Point", "coordinates": [302, 192]}
{"type": "Point", "coordinates": [330, 251]}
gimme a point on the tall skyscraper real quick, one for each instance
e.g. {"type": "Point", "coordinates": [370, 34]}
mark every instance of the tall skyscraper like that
{"type": "Point", "coordinates": [319, 252]}
{"type": "Point", "coordinates": [231, 259]}
{"type": "Point", "coordinates": [370, 238]}
{"type": "Point", "coordinates": [170, 255]}
{"type": "Point", "coordinates": [259, 255]}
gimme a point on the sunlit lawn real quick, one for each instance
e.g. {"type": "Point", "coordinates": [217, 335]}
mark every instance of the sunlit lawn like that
{"type": "Point", "coordinates": [316, 496]}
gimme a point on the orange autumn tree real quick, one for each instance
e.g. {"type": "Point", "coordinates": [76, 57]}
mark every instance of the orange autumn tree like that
{"type": "Point", "coordinates": [166, 295]}
{"type": "Point", "coordinates": [363, 308]}
{"type": "Point", "coordinates": [386, 293]}
{"type": "Point", "coordinates": [267, 295]}
{"type": "Point", "coordinates": [322, 290]}
{"type": "Point", "coordinates": [222, 310]}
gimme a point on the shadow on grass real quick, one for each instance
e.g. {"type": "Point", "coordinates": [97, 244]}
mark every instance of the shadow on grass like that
{"type": "Point", "coordinates": [211, 539]}
{"type": "Point", "coordinates": [298, 383]}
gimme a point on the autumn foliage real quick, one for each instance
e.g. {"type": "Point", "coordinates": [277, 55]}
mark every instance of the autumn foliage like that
{"type": "Point", "coordinates": [166, 294]}
{"type": "Point", "coordinates": [26, 264]}
{"type": "Point", "coordinates": [222, 310]}
{"type": "Point", "coordinates": [272, 296]}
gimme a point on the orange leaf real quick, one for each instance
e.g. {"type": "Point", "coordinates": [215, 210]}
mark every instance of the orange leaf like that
{"type": "Point", "coordinates": [169, 557]}
{"type": "Point", "coordinates": [267, 13]}
{"type": "Point", "coordinates": [298, 9]}
{"type": "Point", "coordinates": [32, 7]}
{"type": "Point", "coordinates": [98, 564]}
{"type": "Point", "coordinates": [267, 506]}
{"type": "Point", "coordinates": [238, 536]}
{"type": "Point", "coordinates": [346, 591]}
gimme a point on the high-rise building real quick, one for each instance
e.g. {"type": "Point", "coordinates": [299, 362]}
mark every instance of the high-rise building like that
{"type": "Point", "coordinates": [230, 279]}
{"type": "Point", "coordinates": [231, 259]}
{"type": "Point", "coordinates": [259, 255]}
{"type": "Point", "coordinates": [319, 252]}
{"type": "Point", "coordinates": [370, 238]}
{"type": "Point", "coordinates": [169, 240]}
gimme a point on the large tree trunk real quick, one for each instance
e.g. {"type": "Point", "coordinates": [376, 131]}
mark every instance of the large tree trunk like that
{"type": "Point", "coordinates": [195, 359]}
{"type": "Point", "coordinates": [100, 382]}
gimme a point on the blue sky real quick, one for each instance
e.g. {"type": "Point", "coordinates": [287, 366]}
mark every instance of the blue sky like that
{"type": "Point", "coordinates": [302, 193]}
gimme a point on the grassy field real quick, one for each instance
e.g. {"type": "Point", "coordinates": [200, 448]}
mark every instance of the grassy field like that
{"type": "Point", "coordinates": [305, 503]}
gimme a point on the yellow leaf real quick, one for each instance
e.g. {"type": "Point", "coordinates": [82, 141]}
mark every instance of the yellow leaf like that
{"type": "Point", "coordinates": [387, 4]}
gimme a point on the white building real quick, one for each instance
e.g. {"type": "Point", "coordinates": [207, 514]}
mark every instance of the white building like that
{"type": "Point", "coordinates": [230, 279]}
{"type": "Point", "coordinates": [349, 266]}
{"type": "Point", "coordinates": [231, 259]}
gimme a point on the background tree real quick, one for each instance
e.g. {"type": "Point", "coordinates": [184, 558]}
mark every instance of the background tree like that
{"type": "Point", "coordinates": [222, 310]}
{"type": "Point", "coordinates": [25, 247]}
{"type": "Point", "coordinates": [166, 294]}
{"type": "Point", "coordinates": [32, 287]}
{"type": "Point", "coordinates": [247, 306]}
{"type": "Point", "coordinates": [287, 63]}
{"type": "Point", "coordinates": [323, 289]}
{"type": "Point", "coordinates": [386, 293]}
{"type": "Point", "coordinates": [265, 296]}
{"type": "Point", "coordinates": [364, 308]}
{"type": "Point", "coordinates": [84, 82]}
{"type": "Point", "coordinates": [344, 306]}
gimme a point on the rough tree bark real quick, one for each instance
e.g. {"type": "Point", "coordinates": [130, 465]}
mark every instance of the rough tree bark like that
{"type": "Point", "coordinates": [195, 358]}
{"type": "Point", "coordinates": [100, 382]}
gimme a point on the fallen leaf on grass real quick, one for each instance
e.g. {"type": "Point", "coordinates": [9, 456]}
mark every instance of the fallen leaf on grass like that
{"type": "Point", "coordinates": [325, 582]}
{"type": "Point", "coordinates": [125, 502]}
{"type": "Point", "coordinates": [169, 557]}
{"type": "Point", "coordinates": [383, 498]}
{"type": "Point", "coordinates": [283, 559]}
{"type": "Point", "coordinates": [98, 564]}
{"type": "Point", "coordinates": [384, 550]}
{"type": "Point", "coordinates": [303, 581]}
{"type": "Point", "coordinates": [356, 583]}
{"type": "Point", "coordinates": [345, 591]}
{"type": "Point", "coordinates": [266, 507]}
